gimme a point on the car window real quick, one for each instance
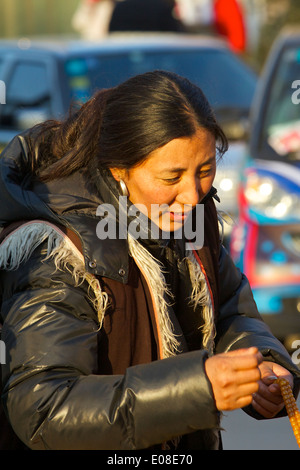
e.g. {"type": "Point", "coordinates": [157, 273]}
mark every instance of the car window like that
{"type": "Point", "coordinates": [218, 73]}
{"type": "Point", "coordinates": [27, 91]}
{"type": "Point", "coordinates": [281, 126]}
{"type": "Point", "coordinates": [27, 83]}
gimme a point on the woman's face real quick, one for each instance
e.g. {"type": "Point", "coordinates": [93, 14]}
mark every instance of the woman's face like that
{"type": "Point", "coordinates": [173, 179]}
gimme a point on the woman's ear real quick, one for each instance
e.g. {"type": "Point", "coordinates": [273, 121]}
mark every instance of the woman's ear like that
{"type": "Point", "coordinates": [118, 173]}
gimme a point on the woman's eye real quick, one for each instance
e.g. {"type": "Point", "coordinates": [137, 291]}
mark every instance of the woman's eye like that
{"type": "Point", "coordinates": [202, 173]}
{"type": "Point", "coordinates": [205, 172]}
{"type": "Point", "coordinates": [171, 180]}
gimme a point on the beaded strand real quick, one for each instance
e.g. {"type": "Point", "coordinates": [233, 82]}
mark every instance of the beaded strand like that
{"type": "Point", "coordinates": [291, 406]}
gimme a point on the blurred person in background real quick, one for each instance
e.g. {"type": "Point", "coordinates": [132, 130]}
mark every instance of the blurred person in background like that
{"type": "Point", "coordinates": [94, 19]}
{"type": "Point", "coordinates": [145, 15]}
{"type": "Point", "coordinates": [238, 21]}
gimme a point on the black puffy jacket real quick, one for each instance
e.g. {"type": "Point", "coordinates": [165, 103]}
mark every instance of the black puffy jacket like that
{"type": "Point", "coordinates": [85, 364]}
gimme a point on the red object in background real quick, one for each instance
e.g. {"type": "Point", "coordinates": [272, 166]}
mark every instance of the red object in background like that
{"type": "Point", "coordinates": [229, 22]}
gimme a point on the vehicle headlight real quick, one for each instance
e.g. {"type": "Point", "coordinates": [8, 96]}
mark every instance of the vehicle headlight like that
{"type": "Point", "coordinates": [226, 184]}
{"type": "Point", "coordinates": [268, 198]}
{"type": "Point", "coordinates": [226, 179]}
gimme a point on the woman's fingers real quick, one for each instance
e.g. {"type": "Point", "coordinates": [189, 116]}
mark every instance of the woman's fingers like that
{"type": "Point", "coordinates": [244, 359]}
{"type": "Point", "coordinates": [234, 377]}
{"type": "Point", "coordinates": [247, 377]}
{"type": "Point", "coordinates": [268, 400]}
{"type": "Point", "coordinates": [266, 407]}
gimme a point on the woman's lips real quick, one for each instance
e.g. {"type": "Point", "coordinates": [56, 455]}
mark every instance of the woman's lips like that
{"type": "Point", "coordinates": [178, 216]}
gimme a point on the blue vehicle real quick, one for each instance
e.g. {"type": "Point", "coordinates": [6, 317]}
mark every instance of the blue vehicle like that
{"type": "Point", "coordinates": [265, 243]}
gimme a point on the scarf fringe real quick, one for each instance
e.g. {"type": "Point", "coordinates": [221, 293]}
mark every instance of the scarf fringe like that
{"type": "Point", "coordinates": [154, 273]}
{"type": "Point", "coordinates": [200, 296]}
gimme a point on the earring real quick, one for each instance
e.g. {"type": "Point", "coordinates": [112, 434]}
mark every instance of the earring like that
{"type": "Point", "coordinates": [123, 187]}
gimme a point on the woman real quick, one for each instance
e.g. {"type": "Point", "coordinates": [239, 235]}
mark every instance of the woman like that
{"type": "Point", "coordinates": [121, 331]}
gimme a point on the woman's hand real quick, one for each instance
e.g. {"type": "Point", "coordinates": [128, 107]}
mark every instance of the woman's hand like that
{"type": "Point", "coordinates": [268, 400]}
{"type": "Point", "coordinates": [240, 378]}
{"type": "Point", "coordinates": [234, 377]}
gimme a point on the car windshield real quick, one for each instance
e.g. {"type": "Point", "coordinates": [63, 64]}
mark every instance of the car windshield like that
{"type": "Point", "coordinates": [228, 84]}
{"type": "Point", "coordinates": [281, 125]}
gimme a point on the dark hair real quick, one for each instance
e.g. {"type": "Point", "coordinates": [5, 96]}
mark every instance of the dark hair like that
{"type": "Point", "coordinates": [119, 127]}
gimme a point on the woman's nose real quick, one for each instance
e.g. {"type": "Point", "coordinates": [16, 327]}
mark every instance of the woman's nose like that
{"type": "Point", "coordinates": [190, 194]}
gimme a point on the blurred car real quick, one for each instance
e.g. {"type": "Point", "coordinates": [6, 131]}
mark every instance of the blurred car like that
{"type": "Point", "coordinates": [265, 243]}
{"type": "Point", "coordinates": [44, 78]}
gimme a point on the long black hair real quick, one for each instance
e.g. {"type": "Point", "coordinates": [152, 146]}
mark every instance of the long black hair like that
{"type": "Point", "coordinates": [119, 127]}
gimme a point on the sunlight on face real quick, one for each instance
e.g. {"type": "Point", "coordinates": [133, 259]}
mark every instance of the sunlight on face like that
{"type": "Point", "coordinates": [173, 179]}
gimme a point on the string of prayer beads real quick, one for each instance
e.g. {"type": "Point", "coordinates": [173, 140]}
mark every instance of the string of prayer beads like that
{"type": "Point", "coordinates": [291, 406]}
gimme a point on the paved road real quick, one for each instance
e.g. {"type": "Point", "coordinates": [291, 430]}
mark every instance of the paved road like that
{"type": "Point", "coordinates": [241, 432]}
